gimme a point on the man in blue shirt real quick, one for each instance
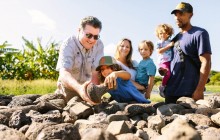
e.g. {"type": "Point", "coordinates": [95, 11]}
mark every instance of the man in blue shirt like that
{"type": "Point", "coordinates": [191, 64]}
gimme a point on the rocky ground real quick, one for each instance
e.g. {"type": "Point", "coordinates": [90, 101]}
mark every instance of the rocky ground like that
{"type": "Point", "coordinates": [36, 117]}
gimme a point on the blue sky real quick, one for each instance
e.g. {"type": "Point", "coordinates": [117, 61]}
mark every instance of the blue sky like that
{"type": "Point", "coordinates": [137, 20]}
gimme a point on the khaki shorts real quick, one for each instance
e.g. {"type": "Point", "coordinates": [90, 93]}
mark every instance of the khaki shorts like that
{"type": "Point", "coordinates": [67, 93]}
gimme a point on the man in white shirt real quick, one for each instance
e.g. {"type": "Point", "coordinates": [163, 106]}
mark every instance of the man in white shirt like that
{"type": "Point", "coordinates": [78, 57]}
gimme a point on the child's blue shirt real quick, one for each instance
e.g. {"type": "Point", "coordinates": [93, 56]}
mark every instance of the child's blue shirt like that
{"type": "Point", "coordinates": [145, 69]}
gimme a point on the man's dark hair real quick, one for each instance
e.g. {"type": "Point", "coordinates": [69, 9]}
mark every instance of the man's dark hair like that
{"type": "Point", "coordinates": [90, 20]}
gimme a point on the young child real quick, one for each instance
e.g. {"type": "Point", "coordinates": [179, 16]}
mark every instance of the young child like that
{"type": "Point", "coordinates": [165, 53]}
{"type": "Point", "coordinates": [122, 89]}
{"type": "Point", "coordinates": [146, 69]}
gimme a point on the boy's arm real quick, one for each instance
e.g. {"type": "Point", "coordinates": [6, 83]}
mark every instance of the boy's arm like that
{"type": "Point", "coordinates": [162, 50]}
{"type": "Point", "coordinates": [95, 77]}
{"type": "Point", "coordinates": [149, 87]}
{"type": "Point", "coordinates": [110, 80]}
{"type": "Point", "coordinates": [122, 74]}
{"type": "Point", "coordinates": [137, 85]}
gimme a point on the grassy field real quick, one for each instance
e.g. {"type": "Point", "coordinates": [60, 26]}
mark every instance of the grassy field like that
{"type": "Point", "coordinates": [15, 87]}
{"type": "Point", "coordinates": [156, 98]}
{"type": "Point", "coordinates": [213, 88]}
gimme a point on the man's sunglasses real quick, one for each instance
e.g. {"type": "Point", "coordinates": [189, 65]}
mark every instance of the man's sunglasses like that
{"type": "Point", "coordinates": [89, 36]}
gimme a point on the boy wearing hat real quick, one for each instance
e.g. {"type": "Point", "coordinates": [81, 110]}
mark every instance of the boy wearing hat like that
{"type": "Point", "coordinates": [121, 90]}
{"type": "Point", "coordinates": [191, 64]}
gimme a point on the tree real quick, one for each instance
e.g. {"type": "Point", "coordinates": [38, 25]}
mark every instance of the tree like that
{"type": "Point", "coordinates": [5, 49]}
{"type": "Point", "coordinates": [214, 78]}
{"type": "Point", "coordinates": [34, 62]}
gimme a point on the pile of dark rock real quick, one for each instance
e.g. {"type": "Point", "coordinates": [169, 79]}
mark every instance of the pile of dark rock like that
{"type": "Point", "coordinates": [46, 117]}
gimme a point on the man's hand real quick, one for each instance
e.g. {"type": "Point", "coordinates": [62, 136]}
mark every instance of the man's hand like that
{"type": "Point", "coordinates": [83, 94]}
{"type": "Point", "coordinates": [197, 95]}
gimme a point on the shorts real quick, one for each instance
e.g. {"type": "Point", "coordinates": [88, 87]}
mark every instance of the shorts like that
{"type": "Point", "coordinates": [67, 93]}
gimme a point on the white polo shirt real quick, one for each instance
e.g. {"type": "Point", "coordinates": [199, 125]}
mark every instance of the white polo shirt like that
{"type": "Point", "coordinates": [82, 62]}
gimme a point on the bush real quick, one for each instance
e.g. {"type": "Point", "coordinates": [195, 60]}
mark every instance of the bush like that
{"type": "Point", "coordinates": [214, 78]}
{"type": "Point", "coordinates": [157, 80]}
{"type": "Point", "coordinates": [34, 62]}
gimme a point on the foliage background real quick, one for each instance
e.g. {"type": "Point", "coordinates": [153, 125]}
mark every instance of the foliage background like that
{"type": "Point", "coordinates": [33, 62]}
{"type": "Point", "coordinates": [32, 70]}
{"type": "Point", "coordinates": [36, 61]}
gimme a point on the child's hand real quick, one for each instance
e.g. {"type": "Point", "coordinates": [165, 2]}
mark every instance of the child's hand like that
{"type": "Point", "coordinates": [147, 95]}
{"type": "Point", "coordinates": [110, 80]}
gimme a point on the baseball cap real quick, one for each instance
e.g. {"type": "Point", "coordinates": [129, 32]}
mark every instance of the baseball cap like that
{"type": "Point", "coordinates": [183, 7]}
{"type": "Point", "coordinates": [106, 60]}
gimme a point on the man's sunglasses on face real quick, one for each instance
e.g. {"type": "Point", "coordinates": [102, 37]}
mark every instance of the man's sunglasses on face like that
{"type": "Point", "coordinates": [89, 36]}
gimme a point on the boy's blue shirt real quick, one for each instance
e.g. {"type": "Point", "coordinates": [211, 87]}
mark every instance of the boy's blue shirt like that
{"type": "Point", "coordinates": [145, 69]}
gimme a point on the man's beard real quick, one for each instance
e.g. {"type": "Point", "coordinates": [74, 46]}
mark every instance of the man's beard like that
{"type": "Point", "coordinates": [181, 25]}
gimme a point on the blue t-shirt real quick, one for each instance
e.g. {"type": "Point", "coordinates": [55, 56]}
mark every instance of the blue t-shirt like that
{"type": "Point", "coordinates": [145, 69]}
{"type": "Point", "coordinates": [127, 92]}
{"type": "Point", "coordinates": [185, 68]}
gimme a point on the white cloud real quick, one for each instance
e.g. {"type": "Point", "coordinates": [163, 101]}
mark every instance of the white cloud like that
{"type": "Point", "coordinates": [42, 20]}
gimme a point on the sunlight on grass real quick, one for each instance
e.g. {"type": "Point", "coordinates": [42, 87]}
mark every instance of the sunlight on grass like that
{"type": "Point", "coordinates": [20, 87]}
{"type": "Point", "coordinates": [17, 87]}
{"type": "Point", "coordinates": [156, 98]}
{"type": "Point", "coordinates": [213, 88]}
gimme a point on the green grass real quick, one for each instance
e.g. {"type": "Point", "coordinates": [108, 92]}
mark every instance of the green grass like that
{"type": "Point", "coordinates": [156, 98]}
{"type": "Point", "coordinates": [15, 87]}
{"type": "Point", "coordinates": [213, 88]}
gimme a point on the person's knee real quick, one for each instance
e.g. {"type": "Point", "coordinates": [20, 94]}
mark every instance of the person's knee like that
{"type": "Point", "coordinates": [68, 97]}
{"type": "Point", "coordinates": [67, 94]}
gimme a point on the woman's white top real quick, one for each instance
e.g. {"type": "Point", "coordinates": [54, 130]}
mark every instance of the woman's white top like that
{"type": "Point", "coordinates": [130, 70]}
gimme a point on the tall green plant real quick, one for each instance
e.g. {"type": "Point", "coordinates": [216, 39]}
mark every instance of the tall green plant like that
{"type": "Point", "coordinates": [6, 60]}
{"type": "Point", "coordinates": [5, 44]}
{"type": "Point", "coordinates": [42, 60]}
{"type": "Point", "coordinates": [34, 62]}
